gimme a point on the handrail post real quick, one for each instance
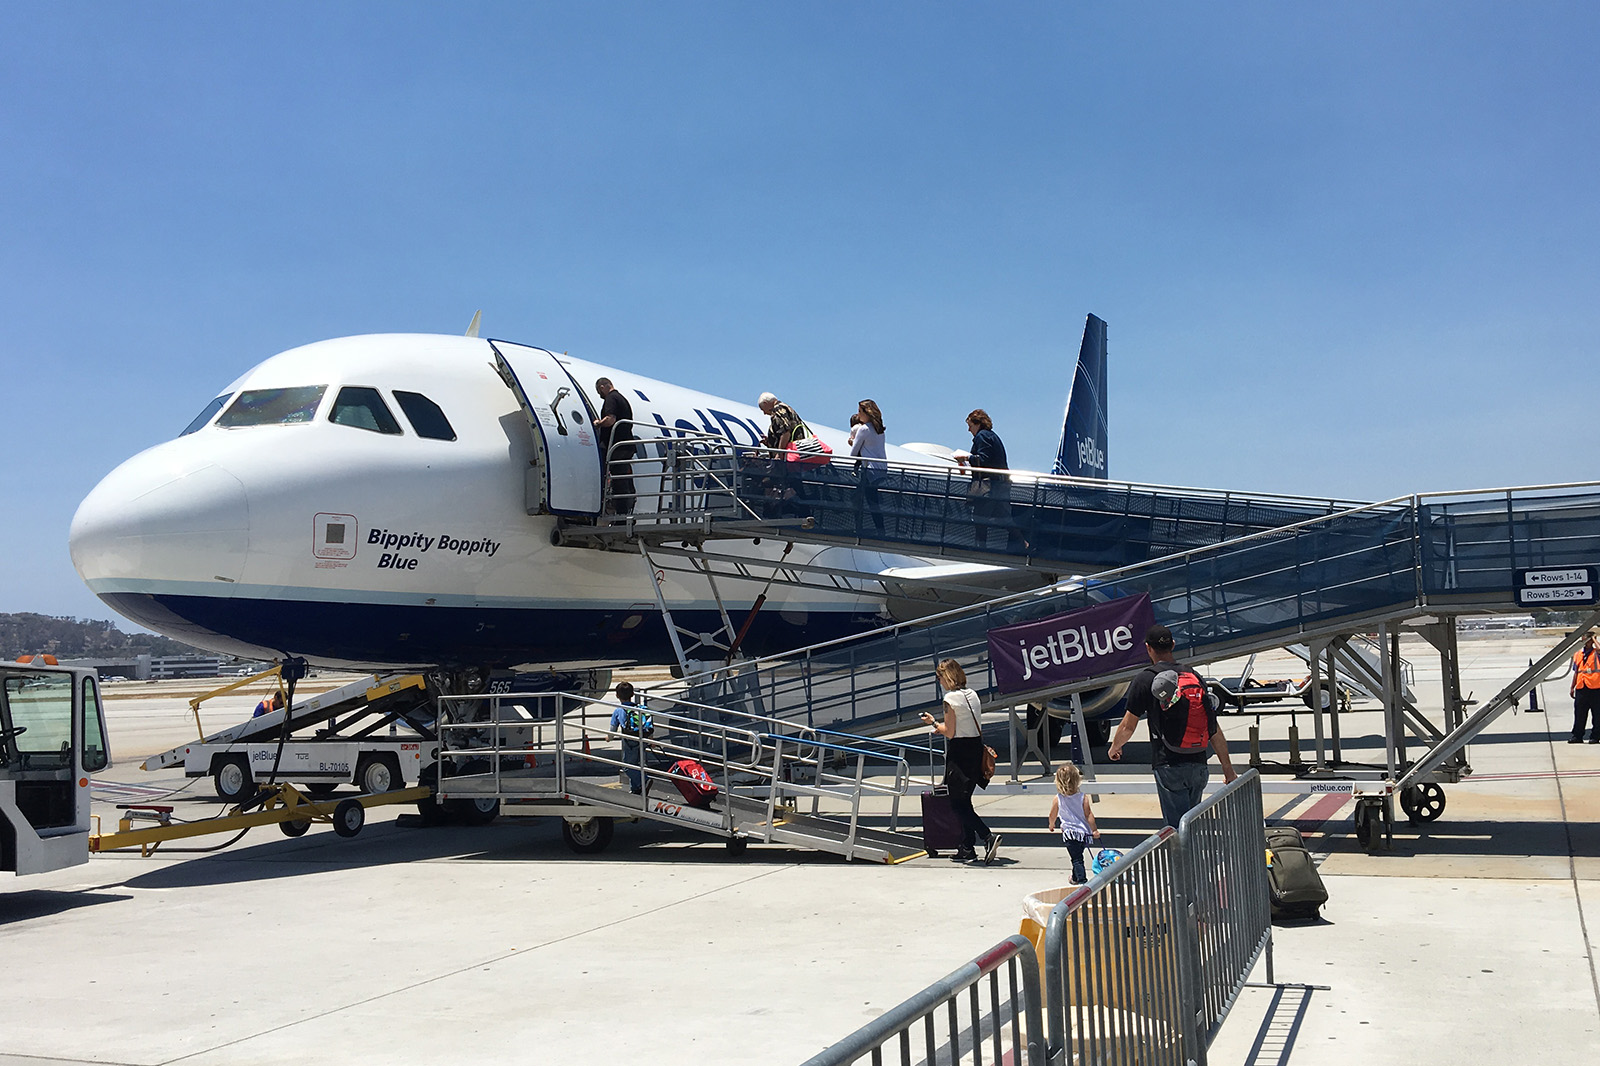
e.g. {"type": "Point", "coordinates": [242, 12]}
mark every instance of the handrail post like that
{"type": "Point", "coordinates": [561, 747]}
{"type": "Point", "coordinates": [772, 786]}
{"type": "Point", "coordinates": [855, 806]}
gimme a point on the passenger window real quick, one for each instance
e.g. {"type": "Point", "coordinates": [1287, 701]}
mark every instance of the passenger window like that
{"type": "Point", "coordinates": [95, 755]}
{"type": "Point", "coordinates": [363, 408]}
{"type": "Point", "coordinates": [425, 416]}
{"type": "Point", "coordinates": [204, 418]}
{"type": "Point", "coordinates": [273, 407]}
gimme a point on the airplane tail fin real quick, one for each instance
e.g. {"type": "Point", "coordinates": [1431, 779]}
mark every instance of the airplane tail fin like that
{"type": "Point", "coordinates": [1082, 452]}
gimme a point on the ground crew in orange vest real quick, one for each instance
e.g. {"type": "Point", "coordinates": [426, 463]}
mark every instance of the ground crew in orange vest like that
{"type": "Point", "coordinates": [271, 703]}
{"type": "Point", "coordinates": [1586, 692]}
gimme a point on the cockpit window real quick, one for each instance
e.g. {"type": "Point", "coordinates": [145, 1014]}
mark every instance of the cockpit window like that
{"type": "Point", "coordinates": [362, 407]}
{"type": "Point", "coordinates": [425, 416]}
{"type": "Point", "coordinates": [204, 417]}
{"type": "Point", "coordinates": [273, 407]}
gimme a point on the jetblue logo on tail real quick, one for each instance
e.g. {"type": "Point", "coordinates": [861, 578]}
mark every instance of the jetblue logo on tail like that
{"type": "Point", "coordinates": [1082, 451]}
{"type": "Point", "coordinates": [1091, 457]}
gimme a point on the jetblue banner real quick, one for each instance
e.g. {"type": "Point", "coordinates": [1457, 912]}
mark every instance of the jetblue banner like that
{"type": "Point", "coordinates": [1070, 647]}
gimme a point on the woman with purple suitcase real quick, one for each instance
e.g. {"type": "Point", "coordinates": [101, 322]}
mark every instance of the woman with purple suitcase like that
{"type": "Point", "coordinates": [963, 759]}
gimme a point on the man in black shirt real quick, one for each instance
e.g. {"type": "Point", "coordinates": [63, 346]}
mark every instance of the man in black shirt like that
{"type": "Point", "coordinates": [616, 443]}
{"type": "Point", "coordinates": [1180, 776]}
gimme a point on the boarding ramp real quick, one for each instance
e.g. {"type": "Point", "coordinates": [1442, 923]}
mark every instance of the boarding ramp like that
{"type": "Point", "coordinates": [553, 754]}
{"type": "Point", "coordinates": [1410, 561]}
{"type": "Point", "coordinates": [693, 487]}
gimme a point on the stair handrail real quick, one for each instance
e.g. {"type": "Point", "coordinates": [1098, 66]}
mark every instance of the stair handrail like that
{"type": "Point", "coordinates": [659, 434]}
{"type": "Point", "coordinates": [1069, 584]}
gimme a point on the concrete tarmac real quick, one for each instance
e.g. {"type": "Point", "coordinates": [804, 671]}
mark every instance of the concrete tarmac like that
{"type": "Point", "coordinates": [1474, 937]}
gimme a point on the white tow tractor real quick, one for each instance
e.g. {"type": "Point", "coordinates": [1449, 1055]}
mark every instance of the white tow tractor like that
{"type": "Point", "coordinates": [52, 737]}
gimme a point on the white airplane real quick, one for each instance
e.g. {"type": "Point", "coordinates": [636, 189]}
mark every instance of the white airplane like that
{"type": "Point", "coordinates": [388, 501]}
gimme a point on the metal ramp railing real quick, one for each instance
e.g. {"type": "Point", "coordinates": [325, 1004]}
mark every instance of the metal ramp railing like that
{"type": "Point", "coordinates": [544, 753]}
{"type": "Point", "coordinates": [701, 485]}
{"type": "Point", "coordinates": [1352, 572]}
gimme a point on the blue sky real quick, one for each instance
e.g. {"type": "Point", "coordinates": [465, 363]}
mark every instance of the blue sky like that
{"type": "Point", "coordinates": [1348, 249]}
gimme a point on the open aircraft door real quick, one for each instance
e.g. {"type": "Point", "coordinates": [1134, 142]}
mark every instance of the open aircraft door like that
{"type": "Point", "coordinates": [565, 479]}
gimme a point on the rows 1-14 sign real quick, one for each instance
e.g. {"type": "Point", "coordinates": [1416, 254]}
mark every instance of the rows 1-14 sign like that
{"type": "Point", "coordinates": [1068, 647]}
{"type": "Point", "coordinates": [1557, 586]}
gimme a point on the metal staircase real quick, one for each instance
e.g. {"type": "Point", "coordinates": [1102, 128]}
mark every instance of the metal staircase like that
{"type": "Point", "coordinates": [549, 755]}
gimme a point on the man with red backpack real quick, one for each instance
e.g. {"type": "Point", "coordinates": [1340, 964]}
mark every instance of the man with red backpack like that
{"type": "Point", "coordinates": [1182, 715]}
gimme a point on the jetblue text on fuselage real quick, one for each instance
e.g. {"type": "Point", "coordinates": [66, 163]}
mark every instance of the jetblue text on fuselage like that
{"type": "Point", "coordinates": [722, 427]}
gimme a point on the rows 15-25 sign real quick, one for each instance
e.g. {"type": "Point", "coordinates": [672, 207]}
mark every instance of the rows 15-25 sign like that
{"type": "Point", "coordinates": [1556, 586]}
{"type": "Point", "coordinates": [1068, 647]}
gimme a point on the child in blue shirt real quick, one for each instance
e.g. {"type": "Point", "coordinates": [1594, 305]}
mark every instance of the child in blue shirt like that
{"type": "Point", "coordinates": [632, 721]}
{"type": "Point", "coordinates": [1071, 807]}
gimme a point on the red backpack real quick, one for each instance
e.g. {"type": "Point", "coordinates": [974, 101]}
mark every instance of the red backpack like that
{"type": "Point", "coordinates": [1185, 705]}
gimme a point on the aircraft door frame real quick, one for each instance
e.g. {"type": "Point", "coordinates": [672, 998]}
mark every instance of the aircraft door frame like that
{"type": "Point", "coordinates": [563, 432]}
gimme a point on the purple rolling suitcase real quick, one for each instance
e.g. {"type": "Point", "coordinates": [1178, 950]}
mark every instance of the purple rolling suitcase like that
{"type": "Point", "coordinates": [941, 829]}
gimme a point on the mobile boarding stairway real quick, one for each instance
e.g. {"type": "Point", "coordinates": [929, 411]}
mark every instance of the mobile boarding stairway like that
{"type": "Point", "coordinates": [554, 755]}
{"type": "Point", "coordinates": [1330, 582]}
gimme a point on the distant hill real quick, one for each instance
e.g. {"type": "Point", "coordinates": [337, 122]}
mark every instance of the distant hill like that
{"type": "Point", "coordinates": [79, 638]}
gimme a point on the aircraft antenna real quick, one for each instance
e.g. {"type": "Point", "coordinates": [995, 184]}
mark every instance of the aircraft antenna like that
{"type": "Point", "coordinates": [477, 316]}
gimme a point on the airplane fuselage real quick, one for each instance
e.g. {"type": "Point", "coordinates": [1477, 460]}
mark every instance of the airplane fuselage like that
{"type": "Point", "coordinates": [277, 530]}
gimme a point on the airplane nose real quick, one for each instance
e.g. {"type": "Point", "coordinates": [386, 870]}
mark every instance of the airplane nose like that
{"type": "Point", "coordinates": [162, 523]}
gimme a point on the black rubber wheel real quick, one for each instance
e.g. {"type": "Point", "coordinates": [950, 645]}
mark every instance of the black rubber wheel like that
{"type": "Point", "coordinates": [1364, 828]}
{"type": "Point", "coordinates": [232, 779]}
{"type": "Point", "coordinates": [479, 811]}
{"type": "Point", "coordinates": [587, 838]}
{"type": "Point", "coordinates": [377, 773]}
{"type": "Point", "coordinates": [296, 828]}
{"type": "Point", "coordinates": [1422, 803]}
{"type": "Point", "coordinates": [322, 790]}
{"type": "Point", "coordinates": [737, 845]}
{"type": "Point", "coordinates": [348, 817]}
{"type": "Point", "coordinates": [1326, 692]}
{"type": "Point", "coordinates": [431, 810]}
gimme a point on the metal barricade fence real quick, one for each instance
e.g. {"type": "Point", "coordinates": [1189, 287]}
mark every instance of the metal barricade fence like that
{"type": "Point", "coordinates": [987, 1011]}
{"type": "Point", "coordinates": [1222, 849]}
{"type": "Point", "coordinates": [1113, 964]}
{"type": "Point", "coordinates": [1139, 966]}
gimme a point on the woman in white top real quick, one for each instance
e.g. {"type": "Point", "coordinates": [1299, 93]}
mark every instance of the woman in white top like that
{"type": "Point", "coordinates": [963, 758]}
{"type": "Point", "coordinates": [866, 444]}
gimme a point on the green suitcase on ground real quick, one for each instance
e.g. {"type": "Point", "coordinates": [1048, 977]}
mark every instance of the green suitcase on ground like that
{"type": "Point", "coordinates": [1296, 887]}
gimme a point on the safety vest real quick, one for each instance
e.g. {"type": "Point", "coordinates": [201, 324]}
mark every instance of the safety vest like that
{"type": "Point", "coordinates": [1586, 669]}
